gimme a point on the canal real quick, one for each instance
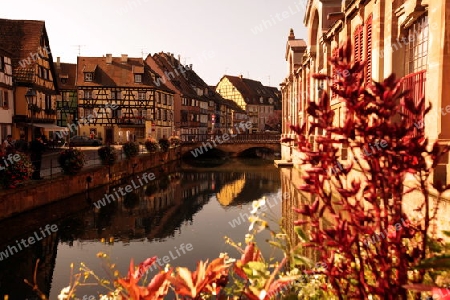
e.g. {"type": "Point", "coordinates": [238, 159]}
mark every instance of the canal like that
{"type": "Point", "coordinates": [185, 205]}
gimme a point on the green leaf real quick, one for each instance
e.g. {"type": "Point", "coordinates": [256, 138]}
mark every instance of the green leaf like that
{"type": "Point", "coordinates": [276, 244]}
{"type": "Point", "coordinates": [437, 262]}
{"type": "Point", "coordinates": [446, 232]}
{"type": "Point", "coordinates": [301, 233]}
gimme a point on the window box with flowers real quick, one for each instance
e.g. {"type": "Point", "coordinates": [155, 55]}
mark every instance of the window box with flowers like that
{"type": "Point", "coordinates": [34, 108]}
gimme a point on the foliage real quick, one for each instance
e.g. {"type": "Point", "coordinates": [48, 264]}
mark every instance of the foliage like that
{"type": "Point", "coordinates": [13, 173]}
{"type": "Point", "coordinates": [164, 144]}
{"type": "Point", "coordinates": [71, 161]}
{"type": "Point", "coordinates": [151, 145]}
{"type": "Point", "coordinates": [130, 149]}
{"type": "Point", "coordinates": [108, 155]}
{"type": "Point", "coordinates": [370, 243]}
{"type": "Point", "coordinates": [174, 141]}
{"type": "Point", "coordinates": [274, 120]}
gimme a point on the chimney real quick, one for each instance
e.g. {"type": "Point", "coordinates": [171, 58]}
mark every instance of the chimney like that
{"type": "Point", "coordinates": [124, 58]}
{"type": "Point", "coordinates": [240, 76]}
{"type": "Point", "coordinates": [108, 58]}
{"type": "Point", "coordinates": [172, 59]}
{"type": "Point", "coordinates": [291, 35]}
{"type": "Point", "coordinates": [58, 63]}
{"type": "Point", "coordinates": [190, 67]}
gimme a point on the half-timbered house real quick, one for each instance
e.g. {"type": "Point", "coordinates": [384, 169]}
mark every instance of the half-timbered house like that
{"type": "Point", "coordinates": [6, 94]}
{"type": "Point", "coordinates": [33, 75]}
{"type": "Point", "coordinates": [119, 98]}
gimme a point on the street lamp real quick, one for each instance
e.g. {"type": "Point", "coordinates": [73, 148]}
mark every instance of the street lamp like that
{"type": "Point", "coordinates": [30, 96]}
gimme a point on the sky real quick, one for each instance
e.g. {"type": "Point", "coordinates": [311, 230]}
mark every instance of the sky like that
{"type": "Point", "coordinates": [217, 37]}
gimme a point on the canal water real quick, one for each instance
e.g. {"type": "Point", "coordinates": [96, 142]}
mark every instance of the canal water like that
{"type": "Point", "coordinates": [182, 215]}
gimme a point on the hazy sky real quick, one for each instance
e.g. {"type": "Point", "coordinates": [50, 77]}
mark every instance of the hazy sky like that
{"type": "Point", "coordinates": [235, 37]}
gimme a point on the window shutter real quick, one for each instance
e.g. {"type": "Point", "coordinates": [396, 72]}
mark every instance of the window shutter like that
{"type": "Point", "coordinates": [334, 53]}
{"type": "Point", "coordinates": [358, 36]}
{"type": "Point", "coordinates": [368, 57]}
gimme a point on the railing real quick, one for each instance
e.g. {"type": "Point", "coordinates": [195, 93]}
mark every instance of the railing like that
{"type": "Point", "coordinates": [238, 139]}
{"type": "Point", "coordinates": [415, 83]}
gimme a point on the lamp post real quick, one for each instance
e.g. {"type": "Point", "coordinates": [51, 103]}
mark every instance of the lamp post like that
{"type": "Point", "coordinates": [30, 96]}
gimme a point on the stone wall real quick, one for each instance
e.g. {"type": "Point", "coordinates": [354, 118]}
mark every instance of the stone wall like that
{"type": "Point", "coordinates": [38, 193]}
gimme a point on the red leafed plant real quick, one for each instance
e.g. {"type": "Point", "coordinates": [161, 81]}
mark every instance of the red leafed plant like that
{"type": "Point", "coordinates": [370, 244]}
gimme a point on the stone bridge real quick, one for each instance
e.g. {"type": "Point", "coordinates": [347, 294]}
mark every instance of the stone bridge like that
{"type": "Point", "coordinates": [229, 145]}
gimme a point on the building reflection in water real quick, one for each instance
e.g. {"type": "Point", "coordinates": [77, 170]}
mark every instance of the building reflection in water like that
{"type": "Point", "coordinates": [154, 212]}
{"type": "Point", "coordinates": [292, 197]}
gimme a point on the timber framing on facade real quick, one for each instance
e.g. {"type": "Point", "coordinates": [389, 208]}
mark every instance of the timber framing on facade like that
{"type": "Point", "coordinates": [120, 94]}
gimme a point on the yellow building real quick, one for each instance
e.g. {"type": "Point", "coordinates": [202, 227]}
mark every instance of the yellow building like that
{"type": "Point", "coordinates": [257, 100]}
{"type": "Point", "coordinates": [405, 37]}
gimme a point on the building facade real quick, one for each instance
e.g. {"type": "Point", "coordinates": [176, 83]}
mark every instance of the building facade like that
{"type": "Point", "coordinates": [67, 100]}
{"type": "Point", "coordinates": [118, 100]}
{"type": "Point", "coordinates": [33, 73]}
{"type": "Point", "coordinates": [258, 101]}
{"type": "Point", "coordinates": [405, 37]}
{"type": "Point", "coordinates": [6, 94]}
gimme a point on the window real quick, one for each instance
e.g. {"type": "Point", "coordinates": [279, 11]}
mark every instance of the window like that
{"type": "Point", "coordinates": [88, 112]}
{"type": "Point", "coordinates": [48, 102]}
{"type": "Point", "coordinates": [164, 100]}
{"type": "Point", "coordinates": [63, 80]}
{"type": "Point", "coordinates": [88, 76]}
{"type": "Point", "coordinates": [116, 95]}
{"type": "Point", "coordinates": [417, 48]}
{"type": "Point", "coordinates": [5, 100]}
{"type": "Point", "coordinates": [138, 78]}
{"type": "Point", "coordinates": [142, 95]}
{"type": "Point", "coordinates": [87, 94]}
{"type": "Point", "coordinates": [368, 58]}
{"type": "Point", "coordinates": [158, 98]}
{"type": "Point", "coordinates": [2, 63]}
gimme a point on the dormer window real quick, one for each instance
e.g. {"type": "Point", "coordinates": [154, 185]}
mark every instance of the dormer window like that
{"type": "Point", "coordinates": [88, 76]}
{"type": "Point", "coordinates": [138, 78]}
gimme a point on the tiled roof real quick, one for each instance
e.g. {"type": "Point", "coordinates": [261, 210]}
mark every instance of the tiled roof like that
{"type": "Point", "coordinates": [4, 52]}
{"type": "Point", "coordinates": [253, 91]}
{"type": "Point", "coordinates": [117, 73]}
{"type": "Point", "coordinates": [24, 39]}
{"type": "Point", "coordinates": [21, 37]}
{"type": "Point", "coordinates": [69, 73]}
{"type": "Point", "coordinates": [24, 74]}
{"type": "Point", "coordinates": [172, 72]}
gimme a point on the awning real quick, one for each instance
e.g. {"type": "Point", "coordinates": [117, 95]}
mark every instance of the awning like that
{"type": "Point", "coordinates": [49, 127]}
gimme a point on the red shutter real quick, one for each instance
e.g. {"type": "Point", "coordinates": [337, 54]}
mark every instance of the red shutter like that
{"type": "Point", "coordinates": [334, 53]}
{"type": "Point", "coordinates": [368, 58]}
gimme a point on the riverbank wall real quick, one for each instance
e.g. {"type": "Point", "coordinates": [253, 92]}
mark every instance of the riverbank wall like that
{"type": "Point", "coordinates": [34, 194]}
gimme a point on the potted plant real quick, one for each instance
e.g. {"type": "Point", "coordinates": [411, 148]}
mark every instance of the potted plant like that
{"type": "Point", "coordinates": [130, 149]}
{"type": "Point", "coordinates": [107, 154]}
{"type": "Point", "coordinates": [174, 141]}
{"type": "Point", "coordinates": [15, 173]}
{"type": "Point", "coordinates": [71, 161]}
{"type": "Point", "coordinates": [151, 145]}
{"type": "Point", "coordinates": [164, 144]}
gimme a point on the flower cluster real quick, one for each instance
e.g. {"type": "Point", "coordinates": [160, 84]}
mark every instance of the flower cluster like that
{"type": "Point", "coordinates": [71, 161]}
{"type": "Point", "coordinates": [175, 140]}
{"type": "Point", "coordinates": [107, 154]}
{"type": "Point", "coordinates": [130, 149]}
{"type": "Point", "coordinates": [13, 174]}
{"type": "Point", "coordinates": [151, 145]}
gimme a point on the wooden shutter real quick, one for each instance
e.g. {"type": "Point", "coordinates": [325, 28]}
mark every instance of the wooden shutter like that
{"type": "Point", "coordinates": [368, 58]}
{"type": "Point", "coordinates": [334, 53]}
{"type": "Point", "coordinates": [358, 49]}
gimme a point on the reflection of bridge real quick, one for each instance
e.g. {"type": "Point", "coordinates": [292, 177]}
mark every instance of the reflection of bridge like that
{"type": "Point", "coordinates": [233, 145]}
